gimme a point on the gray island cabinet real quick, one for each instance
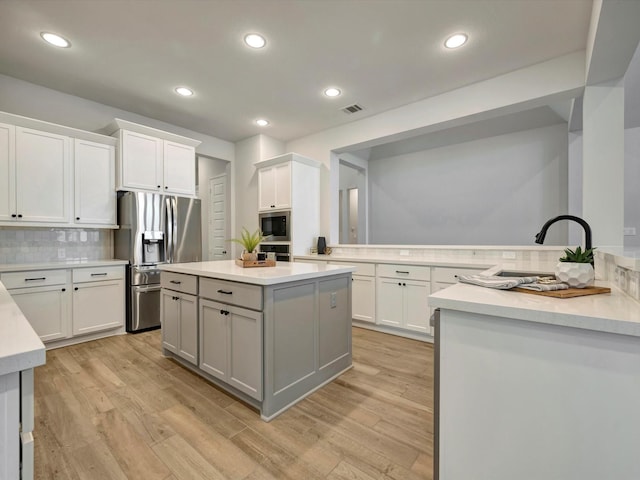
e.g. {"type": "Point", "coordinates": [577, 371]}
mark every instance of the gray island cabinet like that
{"type": "Point", "coordinates": [268, 335]}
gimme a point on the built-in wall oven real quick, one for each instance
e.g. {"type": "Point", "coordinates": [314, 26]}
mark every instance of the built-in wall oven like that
{"type": "Point", "coordinates": [276, 225]}
{"type": "Point", "coordinates": [281, 251]}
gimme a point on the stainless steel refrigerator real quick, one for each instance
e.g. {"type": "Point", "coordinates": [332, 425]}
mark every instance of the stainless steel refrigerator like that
{"type": "Point", "coordinates": [154, 229]}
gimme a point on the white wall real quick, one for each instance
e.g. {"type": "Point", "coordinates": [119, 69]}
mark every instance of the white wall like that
{"type": "Point", "coordinates": [494, 191]}
{"type": "Point", "coordinates": [30, 100]}
{"type": "Point", "coordinates": [631, 182]}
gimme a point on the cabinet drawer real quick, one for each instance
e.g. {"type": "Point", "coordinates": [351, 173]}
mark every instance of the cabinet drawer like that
{"type": "Point", "coordinates": [368, 269]}
{"type": "Point", "coordinates": [33, 278]}
{"type": "Point", "coordinates": [96, 274]}
{"type": "Point", "coordinates": [413, 272]}
{"type": "Point", "coordinates": [179, 282]}
{"type": "Point", "coordinates": [241, 294]}
{"type": "Point", "coordinates": [448, 275]}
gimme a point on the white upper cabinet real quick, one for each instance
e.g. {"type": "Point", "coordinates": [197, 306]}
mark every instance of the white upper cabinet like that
{"type": "Point", "coordinates": [43, 177]}
{"type": "Point", "coordinates": [140, 161]}
{"type": "Point", "coordinates": [7, 172]}
{"type": "Point", "coordinates": [153, 160]}
{"type": "Point", "coordinates": [274, 187]}
{"type": "Point", "coordinates": [52, 175]}
{"type": "Point", "coordinates": [179, 168]}
{"type": "Point", "coordinates": [95, 183]}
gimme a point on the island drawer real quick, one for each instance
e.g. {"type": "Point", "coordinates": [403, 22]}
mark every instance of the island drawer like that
{"type": "Point", "coordinates": [449, 275]}
{"type": "Point", "coordinates": [96, 274]}
{"type": "Point", "coordinates": [368, 269]}
{"type": "Point", "coordinates": [414, 272]}
{"type": "Point", "coordinates": [241, 294]}
{"type": "Point", "coordinates": [179, 282]}
{"type": "Point", "coordinates": [33, 278]}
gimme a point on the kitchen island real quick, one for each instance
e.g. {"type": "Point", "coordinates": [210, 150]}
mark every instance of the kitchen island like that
{"type": "Point", "coordinates": [268, 335]}
{"type": "Point", "coordinates": [533, 387]}
{"type": "Point", "coordinates": [20, 352]}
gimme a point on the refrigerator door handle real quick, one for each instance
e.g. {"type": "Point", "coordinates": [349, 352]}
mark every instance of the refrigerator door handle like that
{"type": "Point", "coordinates": [170, 226]}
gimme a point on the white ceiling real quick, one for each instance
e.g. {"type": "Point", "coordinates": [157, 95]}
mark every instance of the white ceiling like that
{"type": "Point", "coordinates": [381, 53]}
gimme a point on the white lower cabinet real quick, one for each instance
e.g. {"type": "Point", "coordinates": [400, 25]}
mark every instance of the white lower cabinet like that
{"type": "Point", "coordinates": [363, 291]}
{"type": "Point", "coordinates": [62, 304]}
{"type": "Point", "coordinates": [179, 312]}
{"type": "Point", "coordinates": [231, 345]}
{"type": "Point", "coordinates": [403, 296]}
{"type": "Point", "coordinates": [97, 306]}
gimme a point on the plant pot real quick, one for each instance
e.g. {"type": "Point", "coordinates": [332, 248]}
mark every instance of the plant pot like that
{"type": "Point", "coordinates": [249, 256]}
{"type": "Point", "coordinates": [576, 275]}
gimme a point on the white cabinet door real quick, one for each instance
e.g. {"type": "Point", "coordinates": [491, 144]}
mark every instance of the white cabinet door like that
{"type": "Point", "coordinates": [179, 169]}
{"type": "Point", "coordinates": [283, 185]}
{"type": "Point", "coordinates": [170, 319]}
{"type": "Point", "coordinates": [95, 183]}
{"type": "Point", "coordinates": [363, 299]}
{"type": "Point", "coordinates": [390, 302]}
{"type": "Point", "coordinates": [140, 161]}
{"type": "Point", "coordinates": [245, 352]}
{"type": "Point", "coordinates": [43, 176]}
{"type": "Point", "coordinates": [214, 339]}
{"type": "Point", "coordinates": [7, 173]}
{"type": "Point", "coordinates": [188, 328]}
{"type": "Point", "coordinates": [266, 188]}
{"type": "Point", "coordinates": [47, 309]}
{"type": "Point", "coordinates": [416, 303]}
{"type": "Point", "coordinates": [274, 187]}
{"type": "Point", "coordinates": [98, 306]}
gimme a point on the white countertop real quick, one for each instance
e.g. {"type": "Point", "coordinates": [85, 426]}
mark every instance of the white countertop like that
{"type": "Point", "coordinates": [283, 271]}
{"type": "Point", "coordinates": [20, 346]}
{"type": "Point", "coordinates": [21, 267]}
{"type": "Point", "coordinates": [616, 312]}
{"type": "Point", "coordinates": [460, 262]}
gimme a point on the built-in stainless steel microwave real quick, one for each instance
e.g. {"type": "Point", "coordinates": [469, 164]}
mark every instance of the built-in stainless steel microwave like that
{"type": "Point", "coordinates": [276, 225]}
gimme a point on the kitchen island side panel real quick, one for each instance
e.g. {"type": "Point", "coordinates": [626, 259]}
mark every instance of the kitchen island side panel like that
{"type": "Point", "coordinates": [303, 350]}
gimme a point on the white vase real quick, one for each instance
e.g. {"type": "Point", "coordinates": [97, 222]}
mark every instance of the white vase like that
{"type": "Point", "coordinates": [576, 275]}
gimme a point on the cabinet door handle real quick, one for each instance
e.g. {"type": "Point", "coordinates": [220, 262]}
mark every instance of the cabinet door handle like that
{"type": "Point", "coordinates": [64, 289]}
{"type": "Point", "coordinates": [225, 292]}
{"type": "Point", "coordinates": [159, 186]}
{"type": "Point", "coordinates": [19, 215]}
{"type": "Point", "coordinates": [175, 282]}
{"type": "Point", "coordinates": [404, 284]}
{"type": "Point", "coordinates": [77, 218]}
{"type": "Point", "coordinates": [402, 271]}
{"type": "Point", "coordinates": [13, 215]}
{"type": "Point", "coordinates": [34, 279]}
{"type": "Point", "coordinates": [176, 298]}
{"type": "Point", "coordinates": [98, 274]}
{"type": "Point", "coordinates": [76, 288]}
{"type": "Point", "coordinates": [166, 187]}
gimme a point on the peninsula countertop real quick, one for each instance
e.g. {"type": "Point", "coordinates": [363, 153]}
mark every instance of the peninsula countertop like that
{"type": "Point", "coordinates": [20, 346]}
{"type": "Point", "coordinates": [283, 271]}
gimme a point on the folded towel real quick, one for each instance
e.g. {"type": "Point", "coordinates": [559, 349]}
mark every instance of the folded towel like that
{"type": "Point", "coordinates": [492, 281]}
{"type": "Point", "coordinates": [544, 287]}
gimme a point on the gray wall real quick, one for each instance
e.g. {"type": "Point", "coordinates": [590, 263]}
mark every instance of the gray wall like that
{"type": "Point", "coordinates": [493, 191]}
{"type": "Point", "coordinates": [631, 182]}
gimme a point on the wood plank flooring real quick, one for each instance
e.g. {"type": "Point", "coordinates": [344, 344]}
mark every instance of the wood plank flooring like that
{"type": "Point", "coordinates": [117, 409]}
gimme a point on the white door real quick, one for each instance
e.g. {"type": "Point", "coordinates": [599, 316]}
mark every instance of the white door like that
{"type": "Point", "coordinates": [266, 188]}
{"type": "Point", "coordinates": [47, 309]}
{"type": "Point", "coordinates": [363, 298]}
{"type": "Point", "coordinates": [416, 297]}
{"type": "Point", "coordinates": [283, 185]}
{"type": "Point", "coordinates": [179, 168]}
{"type": "Point", "coordinates": [390, 302]}
{"type": "Point", "coordinates": [218, 244]}
{"type": "Point", "coordinates": [141, 161]}
{"type": "Point", "coordinates": [97, 306]}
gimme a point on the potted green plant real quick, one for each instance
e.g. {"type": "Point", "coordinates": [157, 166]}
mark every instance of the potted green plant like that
{"type": "Point", "coordinates": [249, 242]}
{"type": "Point", "coordinates": [576, 267]}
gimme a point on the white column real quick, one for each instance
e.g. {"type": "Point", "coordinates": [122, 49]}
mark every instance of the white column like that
{"type": "Point", "coordinates": [603, 162]}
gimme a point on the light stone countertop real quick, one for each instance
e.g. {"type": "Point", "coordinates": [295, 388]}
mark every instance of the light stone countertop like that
{"type": "Point", "coordinates": [283, 272]}
{"type": "Point", "coordinates": [21, 267]}
{"type": "Point", "coordinates": [20, 346]}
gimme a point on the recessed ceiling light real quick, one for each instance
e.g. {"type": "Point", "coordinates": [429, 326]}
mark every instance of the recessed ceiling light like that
{"type": "Point", "coordinates": [55, 40]}
{"type": "Point", "coordinates": [254, 40]}
{"type": "Point", "coordinates": [455, 41]}
{"type": "Point", "coordinates": [262, 122]}
{"type": "Point", "coordinates": [332, 92]}
{"type": "Point", "coordinates": [184, 91]}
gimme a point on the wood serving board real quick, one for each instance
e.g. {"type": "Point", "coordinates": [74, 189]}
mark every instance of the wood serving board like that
{"type": "Point", "coordinates": [255, 263]}
{"type": "Point", "coordinates": [568, 293]}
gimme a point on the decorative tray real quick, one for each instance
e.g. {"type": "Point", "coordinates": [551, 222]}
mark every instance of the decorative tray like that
{"type": "Point", "coordinates": [255, 263]}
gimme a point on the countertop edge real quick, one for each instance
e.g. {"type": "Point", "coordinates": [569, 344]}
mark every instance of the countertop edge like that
{"type": "Point", "coordinates": [23, 267]}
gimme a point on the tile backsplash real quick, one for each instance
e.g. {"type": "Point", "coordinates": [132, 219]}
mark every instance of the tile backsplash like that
{"type": "Point", "coordinates": [35, 245]}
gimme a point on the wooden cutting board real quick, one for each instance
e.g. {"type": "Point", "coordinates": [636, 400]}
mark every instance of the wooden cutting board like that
{"type": "Point", "coordinates": [568, 293]}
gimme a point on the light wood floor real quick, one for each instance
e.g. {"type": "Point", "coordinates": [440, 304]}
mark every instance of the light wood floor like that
{"type": "Point", "coordinates": [116, 409]}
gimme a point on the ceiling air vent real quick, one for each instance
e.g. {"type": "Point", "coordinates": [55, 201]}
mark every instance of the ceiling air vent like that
{"type": "Point", "coordinates": [352, 109]}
